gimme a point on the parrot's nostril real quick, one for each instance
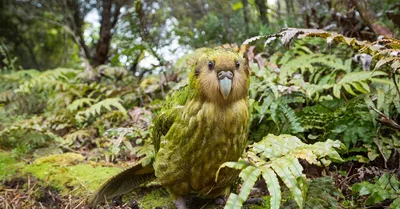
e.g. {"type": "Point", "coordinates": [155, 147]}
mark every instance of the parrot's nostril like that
{"type": "Point", "coordinates": [225, 74]}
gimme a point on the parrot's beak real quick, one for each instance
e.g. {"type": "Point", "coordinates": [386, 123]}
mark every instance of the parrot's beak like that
{"type": "Point", "coordinates": [225, 82]}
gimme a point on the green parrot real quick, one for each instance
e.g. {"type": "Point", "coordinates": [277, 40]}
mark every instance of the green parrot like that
{"type": "Point", "coordinates": [201, 126]}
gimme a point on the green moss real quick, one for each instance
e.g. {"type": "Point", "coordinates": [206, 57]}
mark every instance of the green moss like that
{"type": "Point", "coordinates": [267, 203]}
{"type": "Point", "coordinates": [92, 177]}
{"type": "Point", "coordinates": [66, 172]}
{"type": "Point", "coordinates": [153, 198]}
{"type": "Point", "coordinates": [61, 159]}
{"type": "Point", "coordinates": [8, 166]}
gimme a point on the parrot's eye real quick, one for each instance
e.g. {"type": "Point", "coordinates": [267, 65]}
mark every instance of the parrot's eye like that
{"type": "Point", "coordinates": [237, 63]}
{"type": "Point", "coordinates": [210, 65]}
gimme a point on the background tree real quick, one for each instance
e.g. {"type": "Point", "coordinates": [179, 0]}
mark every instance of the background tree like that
{"type": "Point", "coordinates": [171, 27]}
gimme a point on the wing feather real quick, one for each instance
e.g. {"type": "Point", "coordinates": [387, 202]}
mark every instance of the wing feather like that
{"type": "Point", "coordinates": [171, 110]}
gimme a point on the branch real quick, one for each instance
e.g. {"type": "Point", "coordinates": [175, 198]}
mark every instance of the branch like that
{"type": "Point", "coordinates": [385, 120]}
{"type": "Point", "coordinates": [395, 82]}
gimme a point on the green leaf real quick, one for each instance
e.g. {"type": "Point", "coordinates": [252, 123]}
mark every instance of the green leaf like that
{"type": "Point", "coordinates": [365, 86]}
{"type": "Point", "coordinates": [233, 202]}
{"type": "Point", "coordinates": [237, 6]}
{"type": "Point", "coordinates": [249, 176]}
{"type": "Point", "coordinates": [386, 187]}
{"type": "Point", "coordinates": [380, 98]}
{"type": "Point", "coordinates": [281, 167]}
{"type": "Point", "coordinates": [395, 204]}
{"type": "Point", "coordinates": [336, 91]}
{"type": "Point", "coordinates": [79, 103]}
{"type": "Point", "coordinates": [363, 188]}
{"type": "Point", "coordinates": [240, 165]}
{"type": "Point", "coordinates": [382, 81]}
{"type": "Point", "coordinates": [273, 187]}
{"type": "Point", "coordinates": [383, 61]}
{"type": "Point", "coordinates": [359, 87]}
{"type": "Point", "coordinates": [347, 87]}
{"type": "Point", "coordinates": [96, 109]}
{"type": "Point", "coordinates": [378, 195]}
{"type": "Point", "coordinates": [360, 76]}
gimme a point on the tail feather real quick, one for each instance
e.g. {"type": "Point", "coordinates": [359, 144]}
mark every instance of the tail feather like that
{"type": "Point", "coordinates": [123, 183]}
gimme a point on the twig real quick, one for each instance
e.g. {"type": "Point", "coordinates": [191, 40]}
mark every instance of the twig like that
{"type": "Point", "coordinates": [395, 83]}
{"type": "Point", "coordinates": [80, 203]}
{"type": "Point", "coordinates": [385, 120]}
{"type": "Point", "coordinates": [347, 179]}
{"type": "Point", "coordinates": [376, 141]}
{"type": "Point", "coordinates": [323, 165]}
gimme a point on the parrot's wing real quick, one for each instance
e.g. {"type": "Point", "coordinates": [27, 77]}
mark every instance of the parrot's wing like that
{"type": "Point", "coordinates": [172, 108]}
{"type": "Point", "coordinates": [123, 183]}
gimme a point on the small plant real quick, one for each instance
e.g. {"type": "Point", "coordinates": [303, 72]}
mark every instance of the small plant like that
{"type": "Point", "coordinates": [387, 187]}
{"type": "Point", "coordinates": [277, 156]}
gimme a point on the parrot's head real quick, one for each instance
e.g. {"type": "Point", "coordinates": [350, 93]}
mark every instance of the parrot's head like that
{"type": "Point", "coordinates": [221, 76]}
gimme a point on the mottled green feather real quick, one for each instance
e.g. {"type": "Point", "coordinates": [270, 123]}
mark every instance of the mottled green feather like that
{"type": "Point", "coordinates": [123, 183]}
{"type": "Point", "coordinates": [198, 130]}
{"type": "Point", "coordinates": [169, 112]}
{"type": "Point", "coordinates": [195, 134]}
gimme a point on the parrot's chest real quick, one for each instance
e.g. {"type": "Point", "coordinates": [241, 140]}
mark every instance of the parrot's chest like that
{"type": "Point", "coordinates": [220, 136]}
{"type": "Point", "coordinates": [198, 143]}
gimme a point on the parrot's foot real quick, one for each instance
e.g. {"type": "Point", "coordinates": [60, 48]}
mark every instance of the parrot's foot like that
{"type": "Point", "coordinates": [180, 203]}
{"type": "Point", "coordinates": [221, 200]}
{"type": "Point", "coordinates": [250, 201]}
{"type": "Point", "coordinates": [117, 200]}
{"type": "Point", "coordinates": [255, 200]}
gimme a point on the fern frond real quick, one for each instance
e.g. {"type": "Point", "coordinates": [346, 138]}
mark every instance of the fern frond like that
{"type": "Point", "coordinates": [386, 187]}
{"type": "Point", "coordinates": [79, 135]}
{"type": "Point", "coordinates": [79, 103]}
{"type": "Point", "coordinates": [277, 156]}
{"type": "Point", "coordinates": [13, 79]}
{"type": "Point", "coordinates": [310, 63]}
{"type": "Point", "coordinates": [350, 82]}
{"type": "Point", "coordinates": [96, 109]}
{"type": "Point", "coordinates": [56, 79]}
{"type": "Point", "coordinates": [273, 186]}
{"type": "Point", "coordinates": [249, 176]}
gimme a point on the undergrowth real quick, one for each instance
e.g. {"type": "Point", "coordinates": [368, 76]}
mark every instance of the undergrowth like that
{"type": "Point", "coordinates": [324, 91]}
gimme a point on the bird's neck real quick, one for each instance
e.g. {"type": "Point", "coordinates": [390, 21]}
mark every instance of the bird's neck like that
{"type": "Point", "coordinates": [227, 115]}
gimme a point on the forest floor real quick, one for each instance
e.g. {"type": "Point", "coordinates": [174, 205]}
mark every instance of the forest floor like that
{"type": "Point", "coordinates": [67, 180]}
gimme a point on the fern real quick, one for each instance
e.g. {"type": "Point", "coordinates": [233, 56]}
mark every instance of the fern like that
{"type": "Point", "coordinates": [388, 45]}
{"type": "Point", "coordinates": [355, 79]}
{"type": "Point", "coordinates": [312, 63]}
{"type": "Point", "coordinates": [79, 103]}
{"type": "Point", "coordinates": [13, 79]}
{"type": "Point", "coordinates": [386, 187]}
{"type": "Point", "coordinates": [335, 119]}
{"type": "Point", "coordinates": [122, 139]}
{"type": "Point", "coordinates": [277, 156]}
{"type": "Point", "coordinates": [321, 194]}
{"type": "Point", "coordinates": [96, 109]}
{"type": "Point", "coordinates": [332, 94]}
{"type": "Point", "coordinates": [78, 136]}
{"type": "Point", "coordinates": [51, 80]}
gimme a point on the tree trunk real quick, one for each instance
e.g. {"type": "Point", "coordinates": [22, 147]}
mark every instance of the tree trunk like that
{"type": "Point", "coordinates": [263, 11]}
{"type": "Point", "coordinates": [369, 17]}
{"type": "Point", "coordinates": [108, 22]}
{"type": "Point", "coordinates": [75, 22]}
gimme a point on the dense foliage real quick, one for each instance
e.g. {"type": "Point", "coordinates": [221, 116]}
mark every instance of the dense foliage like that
{"type": "Point", "coordinates": [314, 90]}
{"type": "Point", "coordinates": [325, 106]}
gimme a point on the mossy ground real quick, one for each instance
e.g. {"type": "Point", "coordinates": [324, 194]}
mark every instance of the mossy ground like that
{"type": "Point", "coordinates": [70, 173]}
{"type": "Point", "coordinates": [61, 180]}
{"type": "Point", "coordinates": [8, 166]}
